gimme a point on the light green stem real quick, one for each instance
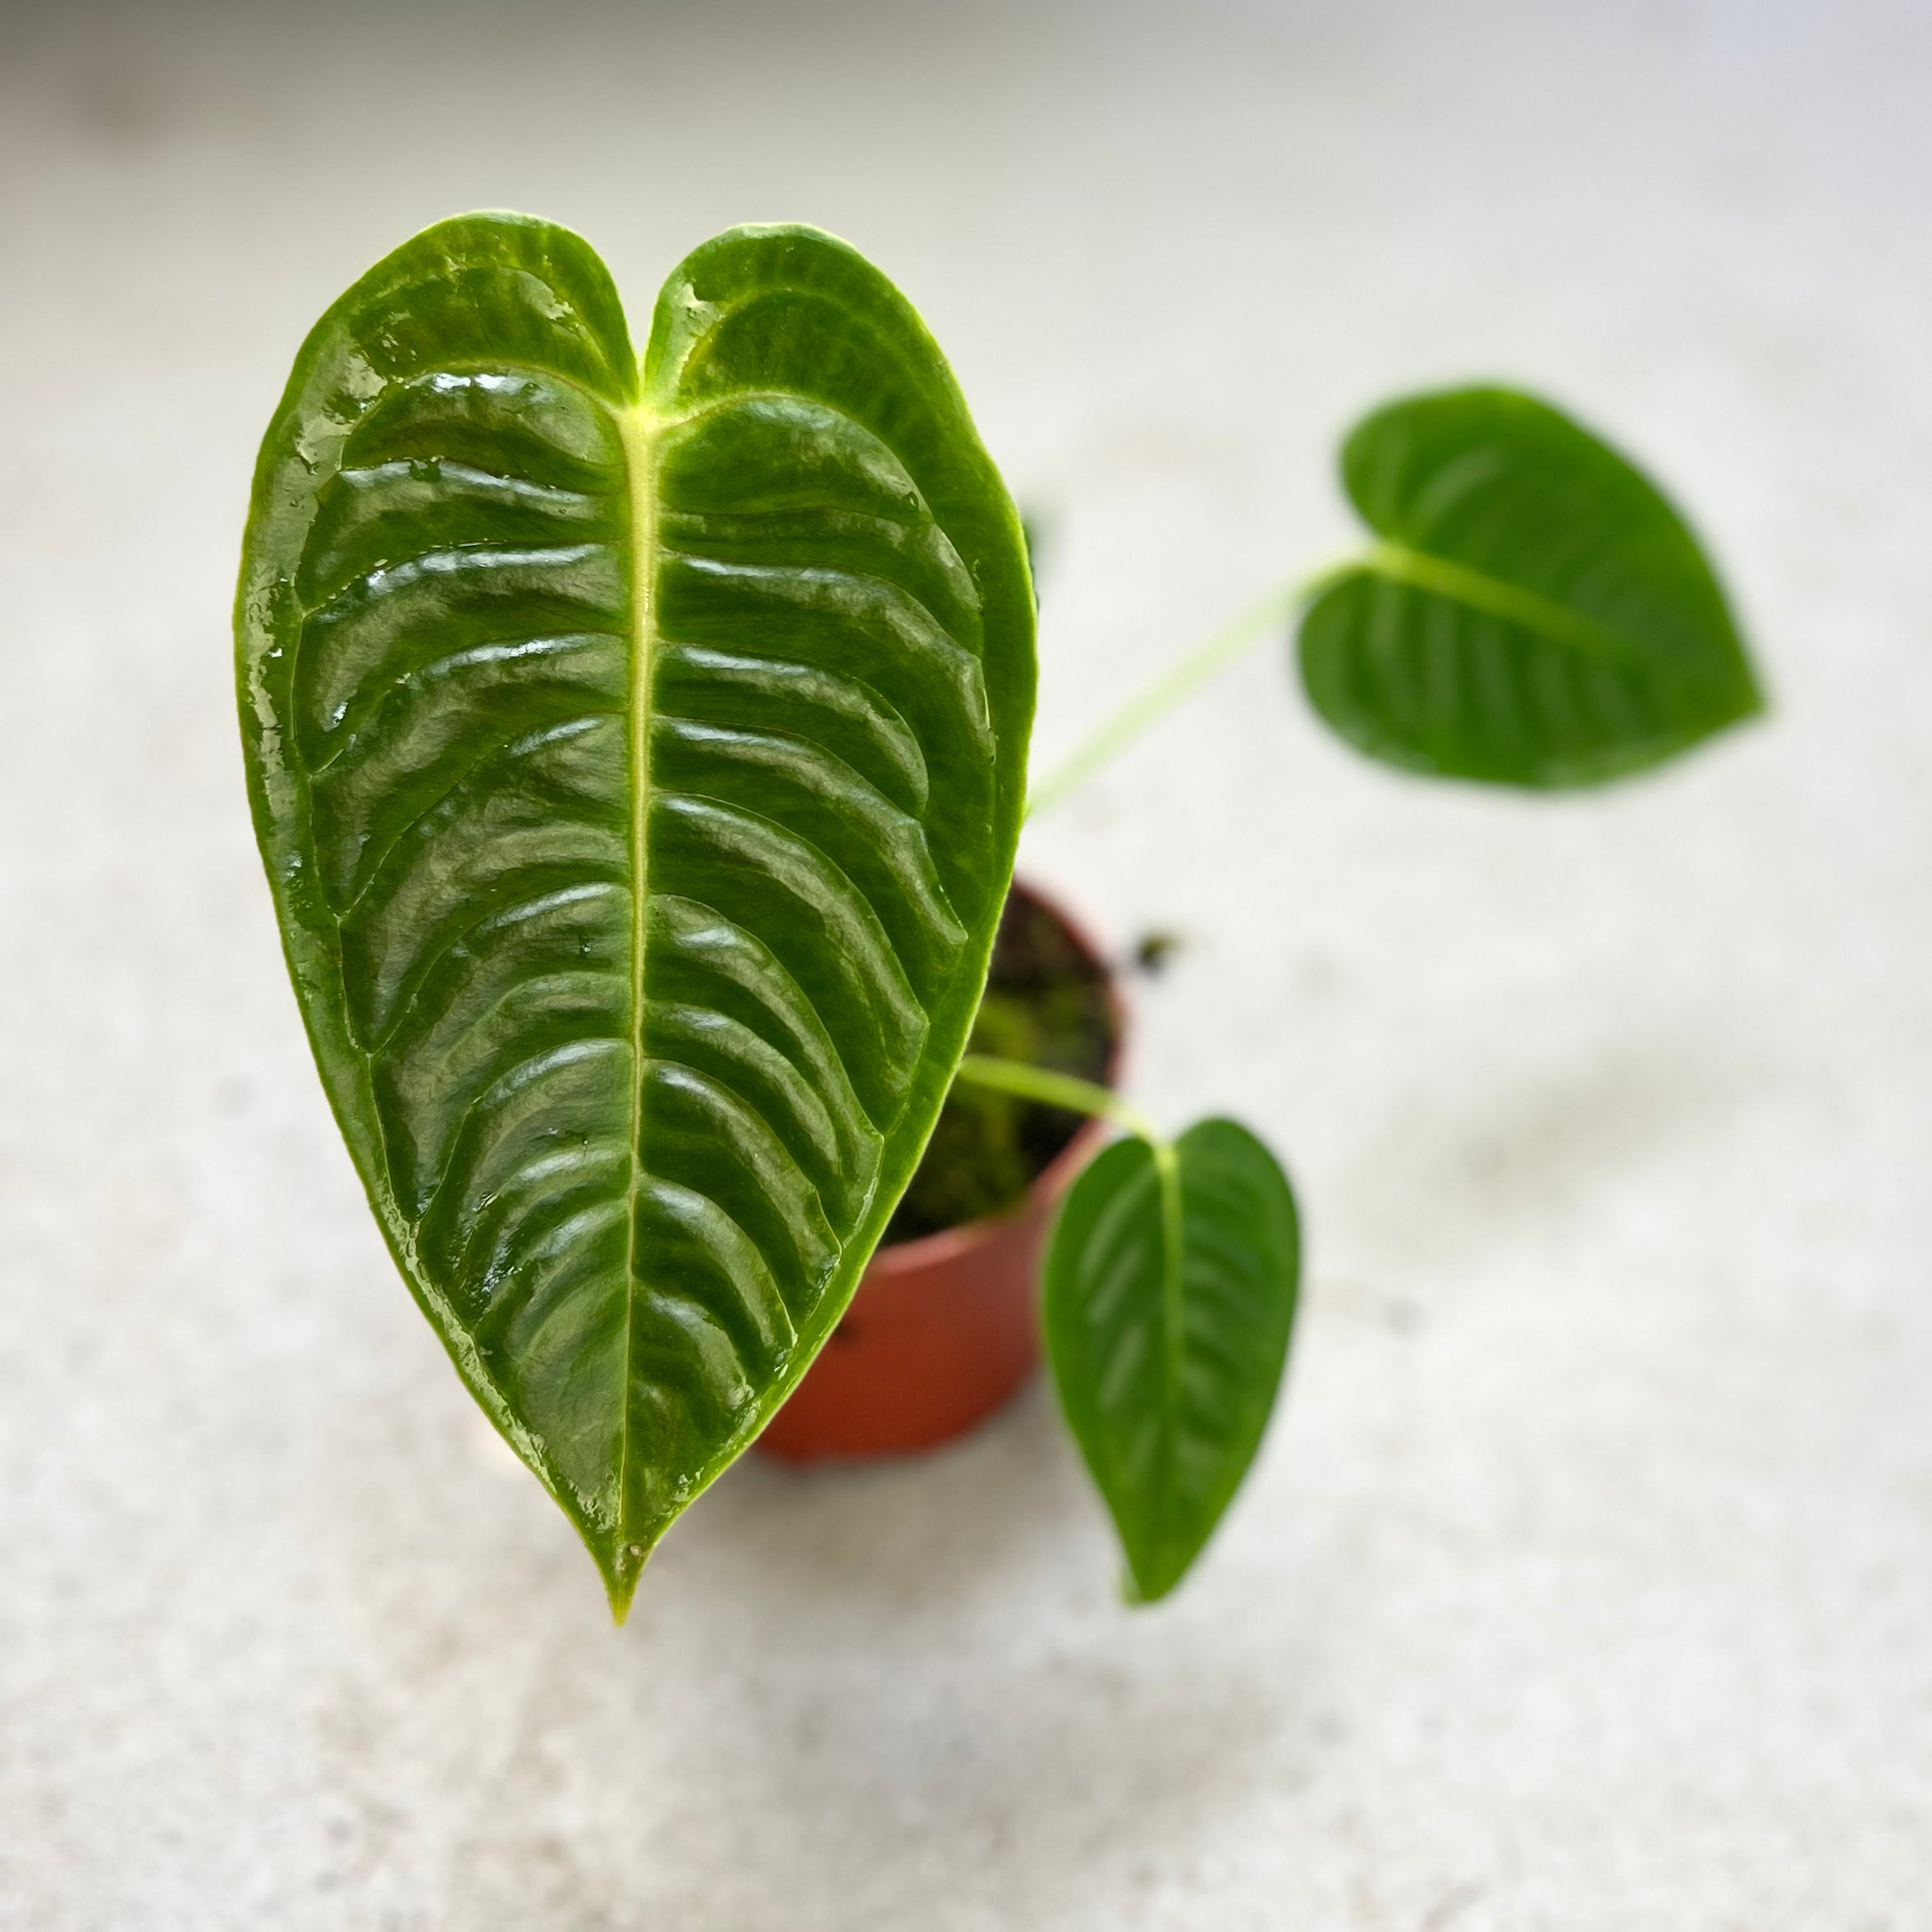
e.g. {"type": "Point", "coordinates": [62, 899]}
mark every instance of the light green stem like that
{"type": "Point", "coordinates": [1181, 680]}
{"type": "Point", "coordinates": [1056, 1089]}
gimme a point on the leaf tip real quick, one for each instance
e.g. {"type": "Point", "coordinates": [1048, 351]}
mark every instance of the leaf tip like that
{"type": "Point", "coordinates": [1141, 1590]}
{"type": "Point", "coordinates": [621, 1565]}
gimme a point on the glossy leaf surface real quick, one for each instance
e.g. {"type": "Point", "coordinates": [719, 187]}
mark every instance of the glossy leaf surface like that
{"type": "Point", "coordinates": [1170, 1288]}
{"type": "Point", "coordinates": [638, 757]}
{"type": "Point", "coordinates": [1535, 613]}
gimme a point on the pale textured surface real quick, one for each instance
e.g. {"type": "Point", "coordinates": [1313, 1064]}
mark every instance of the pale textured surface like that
{"type": "Point", "coordinates": [1586, 1581]}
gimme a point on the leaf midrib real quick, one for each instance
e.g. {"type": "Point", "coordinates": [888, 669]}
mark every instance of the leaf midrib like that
{"type": "Point", "coordinates": [1167, 1178]}
{"type": "Point", "coordinates": [1496, 597]}
{"type": "Point", "coordinates": [639, 428]}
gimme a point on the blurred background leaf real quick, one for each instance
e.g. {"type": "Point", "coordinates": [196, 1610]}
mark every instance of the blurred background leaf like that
{"type": "Point", "coordinates": [1536, 614]}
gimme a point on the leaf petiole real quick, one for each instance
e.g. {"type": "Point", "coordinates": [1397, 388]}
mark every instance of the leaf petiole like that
{"type": "Point", "coordinates": [1182, 679]}
{"type": "Point", "coordinates": [1057, 1090]}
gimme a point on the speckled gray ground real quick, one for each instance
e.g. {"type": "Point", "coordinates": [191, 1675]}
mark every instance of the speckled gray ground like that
{"type": "Point", "coordinates": [1586, 1581]}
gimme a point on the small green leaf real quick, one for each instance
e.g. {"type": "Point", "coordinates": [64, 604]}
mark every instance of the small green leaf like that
{"type": "Point", "coordinates": [1169, 1294]}
{"type": "Point", "coordinates": [638, 753]}
{"type": "Point", "coordinates": [1536, 613]}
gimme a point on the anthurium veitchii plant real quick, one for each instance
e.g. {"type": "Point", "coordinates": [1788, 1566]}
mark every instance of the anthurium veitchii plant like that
{"type": "Point", "coordinates": [637, 741]}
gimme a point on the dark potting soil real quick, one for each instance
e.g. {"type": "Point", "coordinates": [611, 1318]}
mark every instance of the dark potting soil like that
{"type": "Point", "coordinates": [1046, 1003]}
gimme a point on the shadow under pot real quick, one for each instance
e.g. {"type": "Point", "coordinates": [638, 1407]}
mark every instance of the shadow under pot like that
{"type": "Point", "coordinates": [945, 1324]}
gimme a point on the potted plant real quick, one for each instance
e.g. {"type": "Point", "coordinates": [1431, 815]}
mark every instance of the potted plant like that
{"type": "Point", "coordinates": [638, 748]}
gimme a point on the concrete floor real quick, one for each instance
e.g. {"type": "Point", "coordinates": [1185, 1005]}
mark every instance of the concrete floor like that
{"type": "Point", "coordinates": [1586, 1581]}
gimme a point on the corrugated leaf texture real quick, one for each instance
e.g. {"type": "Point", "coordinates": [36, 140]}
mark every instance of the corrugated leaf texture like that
{"type": "Point", "coordinates": [637, 753]}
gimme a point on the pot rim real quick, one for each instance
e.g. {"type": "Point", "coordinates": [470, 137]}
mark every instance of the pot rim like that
{"type": "Point", "coordinates": [902, 1258]}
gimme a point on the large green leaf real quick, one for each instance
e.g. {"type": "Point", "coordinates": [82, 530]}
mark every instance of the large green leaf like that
{"type": "Point", "coordinates": [1536, 614]}
{"type": "Point", "coordinates": [1170, 1287]}
{"type": "Point", "coordinates": [637, 758]}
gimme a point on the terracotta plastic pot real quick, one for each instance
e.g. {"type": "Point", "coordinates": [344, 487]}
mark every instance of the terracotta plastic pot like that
{"type": "Point", "coordinates": [943, 1329]}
